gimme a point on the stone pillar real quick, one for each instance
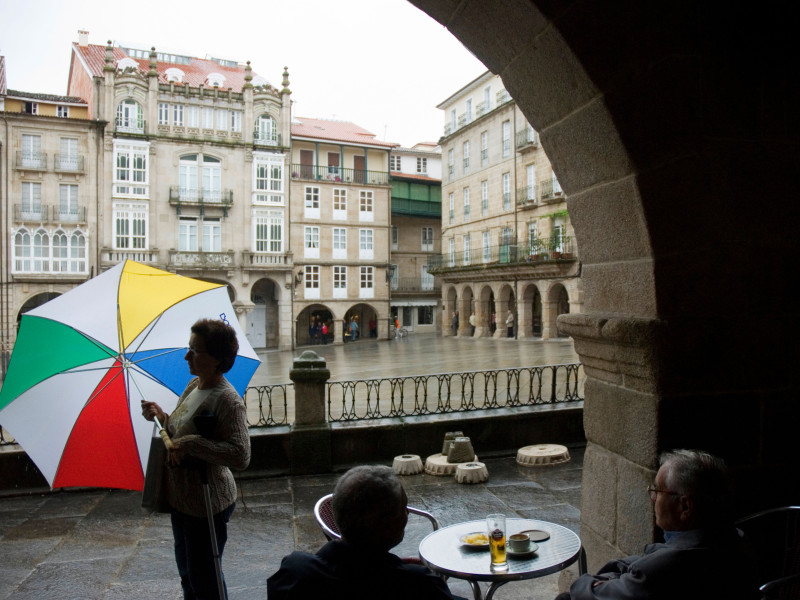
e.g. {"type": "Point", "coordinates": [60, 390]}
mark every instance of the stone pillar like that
{"type": "Point", "coordinates": [548, 319]}
{"type": "Point", "coordinates": [311, 434]}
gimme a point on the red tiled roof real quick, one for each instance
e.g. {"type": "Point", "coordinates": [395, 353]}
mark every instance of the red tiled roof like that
{"type": "Point", "coordinates": [195, 73]}
{"type": "Point", "coordinates": [399, 175]}
{"type": "Point", "coordinates": [338, 131]}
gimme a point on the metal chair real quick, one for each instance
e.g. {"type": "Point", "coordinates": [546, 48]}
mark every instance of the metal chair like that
{"type": "Point", "coordinates": [774, 535]}
{"type": "Point", "coordinates": [323, 512]}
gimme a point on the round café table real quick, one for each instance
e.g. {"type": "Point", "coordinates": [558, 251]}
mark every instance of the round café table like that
{"type": "Point", "coordinates": [443, 552]}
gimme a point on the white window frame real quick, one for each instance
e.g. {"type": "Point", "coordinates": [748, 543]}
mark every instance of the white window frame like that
{"type": "Point", "coordinates": [268, 186]}
{"type": "Point", "coordinates": [62, 111]}
{"type": "Point", "coordinates": [177, 115]}
{"type": "Point", "coordinates": [339, 281]}
{"type": "Point", "coordinates": [311, 241]}
{"type": "Point", "coordinates": [268, 231]}
{"type": "Point", "coordinates": [208, 117]}
{"type": "Point", "coordinates": [31, 201]}
{"type": "Point", "coordinates": [366, 205]}
{"type": "Point", "coordinates": [193, 116]}
{"type": "Point", "coordinates": [452, 253]}
{"type": "Point", "coordinates": [130, 117]}
{"type": "Point", "coordinates": [427, 239]}
{"type": "Point", "coordinates": [212, 235]}
{"type": "Point", "coordinates": [451, 164]}
{"type": "Point", "coordinates": [340, 204]}
{"type": "Point", "coordinates": [465, 149]}
{"type": "Point", "coordinates": [311, 202]}
{"type": "Point", "coordinates": [130, 226]}
{"type": "Point", "coordinates": [32, 151]}
{"type": "Point", "coordinates": [366, 244]}
{"type": "Point", "coordinates": [466, 204]}
{"type": "Point", "coordinates": [506, 191]}
{"type": "Point", "coordinates": [163, 113]}
{"type": "Point", "coordinates": [426, 279]}
{"type": "Point", "coordinates": [452, 199]}
{"type": "Point", "coordinates": [339, 242]}
{"type": "Point", "coordinates": [68, 158]}
{"type": "Point", "coordinates": [467, 249]}
{"type": "Point", "coordinates": [366, 282]}
{"type": "Point", "coordinates": [68, 202]}
{"type": "Point", "coordinates": [131, 169]}
{"type": "Point", "coordinates": [188, 234]}
{"type": "Point", "coordinates": [236, 121]}
{"type": "Point", "coordinates": [222, 119]}
{"type": "Point", "coordinates": [484, 197]}
{"type": "Point", "coordinates": [484, 148]}
{"type": "Point", "coordinates": [266, 131]}
{"type": "Point", "coordinates": [506, 137]}
{"type": "Point", "coordinates": [422, 165]}
{"type": "Point", "coordinates": [394, 163]}
{"type": "Point", "coordinates": [311, 289]}
{"type": "Point", "coordinates": [487, 246]}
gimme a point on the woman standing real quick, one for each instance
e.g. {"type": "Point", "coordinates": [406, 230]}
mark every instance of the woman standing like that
{"type": "Point", "coordinates": [211, 353]}
{"type": "Point", "coordinates": [510, 323]}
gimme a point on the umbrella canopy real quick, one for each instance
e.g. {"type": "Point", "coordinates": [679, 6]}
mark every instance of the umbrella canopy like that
{"type": "Point", "coordinates": [83, 361]}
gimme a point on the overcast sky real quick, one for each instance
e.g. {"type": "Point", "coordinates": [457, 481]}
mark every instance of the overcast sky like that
{"type": "Point", "coordinates": [382, 64]}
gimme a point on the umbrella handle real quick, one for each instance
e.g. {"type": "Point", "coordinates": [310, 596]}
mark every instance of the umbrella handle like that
{"type": "Point", "coordinates": [164, 435]}
{"type": "Point", "coordinates": [167, 441]}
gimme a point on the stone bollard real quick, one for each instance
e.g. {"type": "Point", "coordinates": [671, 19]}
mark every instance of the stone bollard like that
{"type": "Point", "coordinates": [311, 434]}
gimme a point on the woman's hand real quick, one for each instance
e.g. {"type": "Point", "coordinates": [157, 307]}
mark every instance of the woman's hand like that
{"type": "Point", "coordinates": [151, 410]}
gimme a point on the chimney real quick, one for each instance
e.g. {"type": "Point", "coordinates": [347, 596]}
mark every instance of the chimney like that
{"type": "Point", "coordinates": [83, 37]}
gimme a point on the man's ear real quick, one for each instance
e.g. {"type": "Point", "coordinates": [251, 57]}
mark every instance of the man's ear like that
{"type": "Point", "coordinates": [686, 504]}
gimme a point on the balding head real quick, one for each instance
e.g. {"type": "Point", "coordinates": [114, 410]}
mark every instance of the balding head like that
{"type": "Point", "coordinates": [369, 506]}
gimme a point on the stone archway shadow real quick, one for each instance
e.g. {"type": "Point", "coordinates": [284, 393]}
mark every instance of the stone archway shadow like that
{"type": "Point", "coordinates": [662, 121]}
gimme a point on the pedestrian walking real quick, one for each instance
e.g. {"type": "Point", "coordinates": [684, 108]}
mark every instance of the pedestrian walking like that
{"type": "Point", "coordinates": [510, 323]}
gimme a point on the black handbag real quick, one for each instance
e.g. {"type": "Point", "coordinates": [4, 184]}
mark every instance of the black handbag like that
{"type": "Point", "coordinates": [154, 494]}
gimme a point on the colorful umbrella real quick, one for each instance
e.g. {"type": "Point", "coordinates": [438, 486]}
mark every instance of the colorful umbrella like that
{"type": "Point", "coordinates": [83, 361]}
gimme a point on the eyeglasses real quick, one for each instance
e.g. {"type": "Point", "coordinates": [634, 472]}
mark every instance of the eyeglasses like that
{"type": "Point", "coordinates": [653, 492]}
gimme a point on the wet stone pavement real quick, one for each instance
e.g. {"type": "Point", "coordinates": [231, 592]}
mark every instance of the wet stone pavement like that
{"type": "Point", "coordinates": [100, 544]}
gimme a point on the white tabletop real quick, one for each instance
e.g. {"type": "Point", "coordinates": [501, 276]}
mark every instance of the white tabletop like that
{"type": "Point", "coordinates": [444, 553]}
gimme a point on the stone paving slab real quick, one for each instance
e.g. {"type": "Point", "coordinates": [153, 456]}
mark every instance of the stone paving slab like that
{"type": "Point", "coordinates": [100, 544]}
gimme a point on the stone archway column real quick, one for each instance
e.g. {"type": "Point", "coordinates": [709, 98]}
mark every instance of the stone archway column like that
{"type": "Point", "coordinates": [621, 421]}
{"type": "Point", "coordinates": [549, 316]}
{"type": "Point", "coordinates": [243, 309]}
{"type": "Point", "coordinates": [524, 318]}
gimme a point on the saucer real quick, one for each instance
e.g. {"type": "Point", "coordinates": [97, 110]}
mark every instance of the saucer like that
{"type": "Point", "coordinates": [537, 535]}
{"type": "Point", "coordinates": [533, 548]}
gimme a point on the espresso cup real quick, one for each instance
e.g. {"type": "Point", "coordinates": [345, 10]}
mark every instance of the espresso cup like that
{"type": "Point", "coordinates": [519, 542]}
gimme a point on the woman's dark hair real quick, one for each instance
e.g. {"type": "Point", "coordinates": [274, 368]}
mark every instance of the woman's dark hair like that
{"type": "Point", "coordinates": [220, 339]}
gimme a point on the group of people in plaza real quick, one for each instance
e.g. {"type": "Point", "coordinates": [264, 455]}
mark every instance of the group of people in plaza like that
{"type": "Point", "coordinates": [318, 330]}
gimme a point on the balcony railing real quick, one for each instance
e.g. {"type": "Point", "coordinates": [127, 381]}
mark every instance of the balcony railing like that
{"type": "Point", "coordinates": [36, 214]}
{"type": "Point", "coordinates": [550, 191]}
{"type": "Point", "coordinates": [68, 164]}
{"type": "Point", "coordinates": [131, 126]}
{"type": "Point", "coordinates": [526, 196]}
{"type": "Point", "coordinates": [410, 206]}
{"type": "Point", "coordinates": [415, 284]}
{"type": "Point", "coordinates": [527, 137]}
{"type": "Point", "coordinates": [191, 196]}
{"type": "Point", "coordinates": [339, 175]}
{"type": "Point", "coordinates": [34, 161]}
{"type": "Point", "coordinates": [70, 215]}
{"type": "Point", "coordinates": [266, 259]}
{"type": "Point", "coordinates": [267, 140]}
{"type": "Point", "coordinates": [201, 260]}
{"type": "Point", "coordinates": [542, 249]}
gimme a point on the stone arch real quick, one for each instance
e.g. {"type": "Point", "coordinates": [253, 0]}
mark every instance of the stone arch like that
{"type": "Point", "coordinates": [465, 307]}
{"type": "Point", "coordinates": [638, 131]}
{"type": "Point", "coordinates": [530, 320]}
{"type": "Point", "coordinates": [450, 306]}
{"type": "Point", "coordinates": [507, 300]}
{"type": "Point", "coordinates": [263, 321]}
{"type": "Point", "coordinates": [363, 314]}
{"type": "Point", "coordinates": [35, 301]}
{"type": "Point", "coordinates": [486, 309]}
{"type": "Point", "coordinates": [320, 313]}
{"type": "Point", "coordinates": [557, 304]}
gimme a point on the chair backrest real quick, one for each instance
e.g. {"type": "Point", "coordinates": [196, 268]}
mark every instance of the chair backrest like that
{"type": "Point", "coordinates": [323, 512]}
{"type": "Point", "coordinates": [774, 535]}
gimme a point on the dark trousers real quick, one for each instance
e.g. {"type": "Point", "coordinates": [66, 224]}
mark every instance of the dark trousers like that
{"type": "Point", "coordinates": [193, 553]}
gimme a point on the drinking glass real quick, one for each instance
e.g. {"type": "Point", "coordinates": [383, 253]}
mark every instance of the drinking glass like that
{"type": "Point", "coordinates": [496, 525]}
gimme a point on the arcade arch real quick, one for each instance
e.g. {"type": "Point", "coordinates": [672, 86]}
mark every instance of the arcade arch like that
{"type": "Point", "coordinates": [263, 321]}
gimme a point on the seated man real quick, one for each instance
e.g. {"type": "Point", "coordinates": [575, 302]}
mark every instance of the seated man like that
{"type": "Point", "coordinates": [703, 555]}
{"type": "Point", "coordinates": [369, 506]}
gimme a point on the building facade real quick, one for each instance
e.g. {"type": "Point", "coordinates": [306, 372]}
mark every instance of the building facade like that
{"type": "Point", "coordinates": [508, 252]}
{"type": "Point", "coordinates": [340, 228]}
{"type": "Point", "coordinates": [416, 176]}
{"type": "Point", "coordinates": [193, 177]}
{"type": "Point", "coordinates": [48, 201]}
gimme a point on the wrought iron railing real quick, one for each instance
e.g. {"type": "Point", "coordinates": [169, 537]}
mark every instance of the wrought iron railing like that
{"type": "Point", "coordinates": [36, 161]}
{"type": "Point", "coordinates": [339, 174]}
{"type": "Point", "coordinates": [553, 248]}
{"type": "Point", "coordinates": [68, 163]}
{"type": "Point", "coordinates": [440, 393]}
{"type": "Point", "coordinates": [454, 392]}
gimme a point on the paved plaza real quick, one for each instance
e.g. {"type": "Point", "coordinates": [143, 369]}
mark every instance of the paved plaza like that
{"type": "Point", "coordinates": [419, 354]}
{"type": "Point", "coordinates": [101, 544]}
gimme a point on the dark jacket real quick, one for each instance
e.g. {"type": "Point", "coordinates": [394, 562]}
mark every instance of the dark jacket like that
{"type": "Point", "coordinates": [700, 564]}
{"type": "Point", "coordinates": [339, 571]}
